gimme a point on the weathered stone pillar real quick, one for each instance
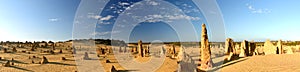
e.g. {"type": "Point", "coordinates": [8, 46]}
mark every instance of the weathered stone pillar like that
{"type": "Point", "coordinates": [44, 60]}
{"type": "Point", "coordinates": [244, 49]}
{"type": "Point", "coordinates": [53, 46]}
{"type": "Point", "coordinates": [102, 51]}
{"type": "Point", "coordinates": [120, 49]}
{"type": "Point", "coordinates": [163, 51]}
{"type": "Point", "coordinates": [206, 62]}
{"type": "Point", "coordinates": [229, 46]}
{"type": "Point", "coordinates": [279, 47]}
{"type": "Point", "coordinates": [7, 64]}
{"type": "Point", "coordinates": [269, 48]}
{"type": "Point", "coordinates": [147, 52]}
{"type": "Point", "coordinates": [86, 56]}
{"type": "Point", "coordinates": [144, 52]}
{"type": "Point", "coordinates": [173, 50]}
{"type": "Point", "coordinates": [252, 48]}
{"type": "Point", "coordinates": [5, 50]}
{"type": "Point", "coordinates": [231, 50]}
{"type": "Point", "coordinates": [60, 51]}
{"type": "Point", "coordinates": [148, 49]}
{"type": "Point", "coordinates": [14, 49]}
{"type": "Point", "coordinates": [140, 48]}
{"type": "Point", "coordinates": [113, 69]}
{"type": "Point", "coordinates": [98, 50]}
{"type": "Point", "coordinates": [133, 49]}
{"type": "Point", "coordinates": [180, 55]}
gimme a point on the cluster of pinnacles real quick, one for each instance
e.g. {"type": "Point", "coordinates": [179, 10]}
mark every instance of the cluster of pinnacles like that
{"type": "Point", "coordinates": [246, 48]}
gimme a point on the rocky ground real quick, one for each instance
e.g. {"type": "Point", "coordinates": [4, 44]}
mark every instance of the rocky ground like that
{"type": "Point", "coordinates": [23, 61]}
{"type": "Point", "coordinates": [29, 61]}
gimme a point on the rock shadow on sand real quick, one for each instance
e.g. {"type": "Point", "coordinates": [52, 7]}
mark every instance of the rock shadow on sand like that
{"type": "Point", "coordinates": [127, 70]}
{"type": "Point", "coordinates": [225, 64]}
{"type": "Point", "coordinates": [61, 63]}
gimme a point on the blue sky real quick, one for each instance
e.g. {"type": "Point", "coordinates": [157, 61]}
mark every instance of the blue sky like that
{"type": "Point", "coordinates": [156, 13]}
{"type": "Point", "coordinates": [261, 19]}
{"type": "Point", "coordinates": [28, 20]}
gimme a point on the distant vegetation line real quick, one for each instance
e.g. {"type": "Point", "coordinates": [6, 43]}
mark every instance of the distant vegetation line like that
{"type": "Point", "coordinates": [121, 42]}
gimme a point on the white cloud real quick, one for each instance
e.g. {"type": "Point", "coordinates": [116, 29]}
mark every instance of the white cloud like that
{"type": "Point", "coordinates": [127, 8]}
{"type": "Point", "coordinates": [257, 10]}
{"type": "Point", "coordinates": [103, 20]}
{"type": "Point", "coordinates": [53, 19]}
{"type": "Point", "coordinates": [107, 17]}
{"type": "Point", "coordinates": [105, 33]}
{"type": "Point", "coordinates": [157, 16]}
{"type": "Point", "coordinates": [101, 33]}
{"type": "Point", "coordinates": [152, 2]}
{"type": "Point", "coordinates": [123, 3]}
{"type": "Point", "coordinates": [183, 17]}
{"type": "Point", "coordinates": [169, 18]}
{"type": "Point", "coordinates": [100, 17]}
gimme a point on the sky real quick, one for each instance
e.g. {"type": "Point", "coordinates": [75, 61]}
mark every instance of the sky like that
{"type": "Point", "coordinates": [118, 16]}
{"type": "Point", "coordinates": [168, 20]}
{"type": "Point", "coordinates": [29, 20]}
{"type": "Point", "coordinates": [261, 19]}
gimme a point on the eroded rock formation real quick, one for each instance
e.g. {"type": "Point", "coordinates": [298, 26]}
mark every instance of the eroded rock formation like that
{"type": "Point", "coordinates": [230, 50]}
{"type": "Point", "coordinates": [244, 51]}
{"type": "Point", "coordinates": [269, 48]}
{"type": "Point", "coordinates": [140, 48]}
{"type": "Point", "coordinates": [206, 62]}
{"type": "Point", "coordinates": [44, 60]}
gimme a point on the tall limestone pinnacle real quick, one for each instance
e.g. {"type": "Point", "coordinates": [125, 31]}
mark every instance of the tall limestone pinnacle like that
{"type": "Point", "coordinates": [269, 48]}
{"type": "Point", "coordinates": [140, 48]}
{"type": "Point", "coordinates": [279, 47]}
{"type": "Point", "coordinates": [206, 62]}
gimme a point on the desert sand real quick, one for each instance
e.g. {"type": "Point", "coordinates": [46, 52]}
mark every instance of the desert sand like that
{"type": "Point", "coordinates": [267, 63]}
{"type": "Point", "coordinates": [23, 60]}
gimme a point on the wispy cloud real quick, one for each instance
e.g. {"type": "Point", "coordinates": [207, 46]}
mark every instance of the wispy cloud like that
{"type": "Point", "coordinates": [160, 17]}
{"type": "Point", "coordinates": [101, 33]}
{"type": "Point", "coordinates": [152, 2]}
{"type": "Point", "coordinates": [53, 20]}
{"type": "Point", "coordinates": [257, 10]}
{"type": "Point", "coordinates": [106, 18]}
{"type": "Point", "coordinates": [123, 3]}
{"type": "Point", "coordinates": [101, 19]}
{"type": "Point", "coordinates": [105, 33]}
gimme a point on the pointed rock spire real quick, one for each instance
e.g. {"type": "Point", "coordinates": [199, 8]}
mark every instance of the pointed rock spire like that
{"type": "Point", "coordinates": [269, 48]}
{"type": "Point", "coordinates": [279, 47]}
{"type": "Point", "coordinates": [44, 60]}
{"type": "Point", "coordinates": [206, 62]}
{"type": "Point", "coordinates": [140, 48]}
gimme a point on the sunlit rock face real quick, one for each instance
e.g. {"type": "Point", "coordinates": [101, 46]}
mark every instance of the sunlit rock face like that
{"type": "Point", "coordinates": [206, 62]}
{"type": "Point", "coordinates": [229, 46]}
{"type": "Point", "coordinates": [279, 47]}
{"type": "Point", "coordinates": [244, 49]}
{"type": "Point", "coordinates": [231, 50]}
{"type": "Point", "coordinates": [269, 48]}
{"type": "Point", "coordinates": [140, 48]}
